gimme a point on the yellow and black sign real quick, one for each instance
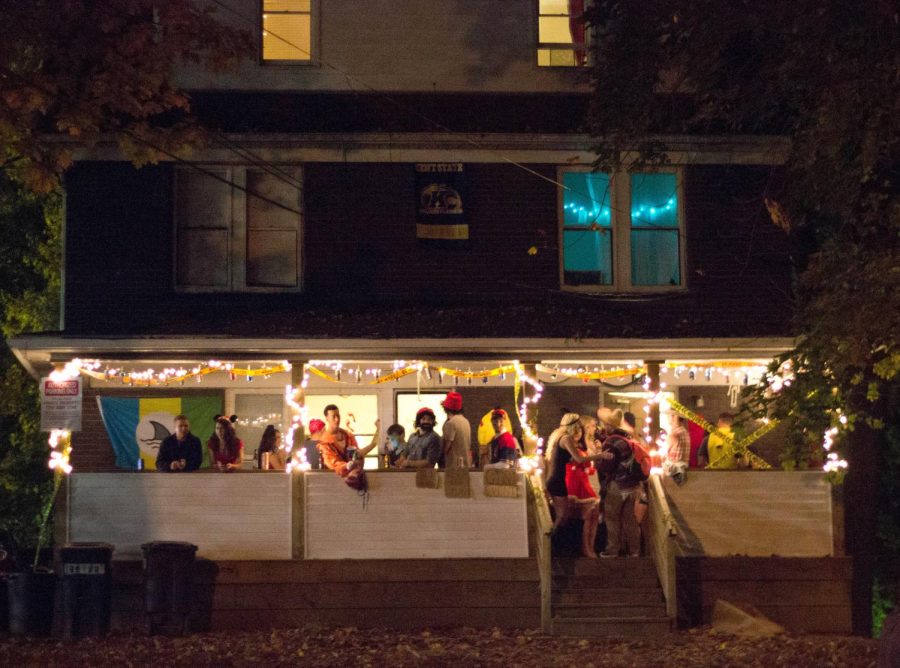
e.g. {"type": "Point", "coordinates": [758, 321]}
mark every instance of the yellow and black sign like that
{"type": "Point", "coordinates": [440, 201]}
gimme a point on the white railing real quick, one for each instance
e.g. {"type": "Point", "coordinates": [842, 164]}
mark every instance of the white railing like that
{"type": "Point", "coordinates": [542, 526]}
{"type": "Point", "coordinates": [662, 530]}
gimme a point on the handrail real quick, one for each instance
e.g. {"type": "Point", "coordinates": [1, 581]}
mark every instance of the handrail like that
{"type": "Point", "coordinates": [543, 524]}
{"type": "Point", "coordinates": [661, 535]}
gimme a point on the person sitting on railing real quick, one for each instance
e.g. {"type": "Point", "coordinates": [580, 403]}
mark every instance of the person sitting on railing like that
{"type": "Point", "coordinates": [226, 450]}
{"type": "Point", "coordinates": [562, 448]}
{"type": "Point", "coordinates": [424, 444]}
{"type": "Point", "coordinates": [339, 449]}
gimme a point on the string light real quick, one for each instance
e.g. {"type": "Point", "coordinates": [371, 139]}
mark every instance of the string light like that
{"type": "Point", "coordinates": [523, 379]}
{"type": "Point", "coordinates": [60, 449]}
{"type": "Point", "coordinates": [167, 376]}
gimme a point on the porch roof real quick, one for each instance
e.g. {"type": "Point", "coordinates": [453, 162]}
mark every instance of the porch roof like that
{"type": "Point", "coordinates": [38, 352]}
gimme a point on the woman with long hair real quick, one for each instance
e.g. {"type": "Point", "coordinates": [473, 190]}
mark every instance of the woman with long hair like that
{"type": "Point", "coordinates": [582, 497]}
{"type": "Point", "coordinates": [271, 443]}
{"type": "Point", "coordinates": [563, 448]}
{"type": "Point", "coordinates": [226, 450]}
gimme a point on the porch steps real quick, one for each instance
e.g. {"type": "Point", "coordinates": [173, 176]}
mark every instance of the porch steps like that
{"type": "Point", "coordinates": [607, 598]}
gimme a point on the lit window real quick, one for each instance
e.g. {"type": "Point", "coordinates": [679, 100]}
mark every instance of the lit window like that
{"type": "Point", "coordinates": [561, 33]}
{"type": "Point", "coordinates": [621, 232]}
{"type": "Point", "coordinates": [238, 229]}
{"type": "Point", "coordinates": [287, 30]}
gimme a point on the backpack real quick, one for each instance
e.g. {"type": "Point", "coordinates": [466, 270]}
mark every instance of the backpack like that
{"type": "Point", "coordinates": [637, 466]}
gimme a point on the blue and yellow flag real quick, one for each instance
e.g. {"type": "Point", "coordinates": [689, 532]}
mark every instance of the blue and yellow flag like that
{"type": "Point", "coordinates": [137, 426]}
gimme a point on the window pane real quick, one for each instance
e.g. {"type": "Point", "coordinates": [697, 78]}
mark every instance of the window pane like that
{"type": "Point", "coordinates": [586, 199]}
{"type": "Point", "coordinates": [272, 258]}
{"type": "Point", "coordinates": [202, 258]}
{"type": "Point", "coordinates": [587, 257]}
{"type": "Point", "coordinates": [286, 37]}
{"type": "Point", "coordinates": [554, 30]}
{"type": "Point", "coordinates": [553, 7]}
{"type": "Point", "coordinates": [286, 5]}
{"type": "Point", "coordinates": [202, 200]}
{"type": "Point", "coordinates": [255, 412]}
{"type": "Point", "coordinates": [654, 257]}
{"type": "Point", "coordinates": [654, 200]}
{"type": "Point", "coordinates": [265, 213]}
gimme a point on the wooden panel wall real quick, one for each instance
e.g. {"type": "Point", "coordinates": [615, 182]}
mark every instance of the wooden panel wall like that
{"type": "Point", "coordinates": [401, 521]}
{"type": "Point", "coordinates": [802, 594]}
{"type": "Point", "coordinates": [242, 515]}
{"type": "Point", "coordinates": [249, 595]}
{"type": "Point", "coordinates": [753, 513]}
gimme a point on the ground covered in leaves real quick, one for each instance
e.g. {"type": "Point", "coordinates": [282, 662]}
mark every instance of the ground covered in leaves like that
{"type": "Point", "coordinates": [319, 646]}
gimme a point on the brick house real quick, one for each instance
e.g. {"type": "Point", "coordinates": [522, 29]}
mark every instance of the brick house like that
{"type": "Point", "coordinates": [315, 227]}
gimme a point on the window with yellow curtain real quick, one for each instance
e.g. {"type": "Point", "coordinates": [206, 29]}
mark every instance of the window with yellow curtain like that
{"type": "Point", "coordinates": [287, 30]}
{"type": "Point", "coordinates": [561, 33]}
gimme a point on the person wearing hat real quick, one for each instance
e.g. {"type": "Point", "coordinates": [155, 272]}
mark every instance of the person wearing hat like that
{"type": "Point", "coordinates": [457, 433]}
{"type": "Point", "coordinates": [623, 490]}
{"type": "Point", "coordinates": [424, 445]}
{"type": "Point", "coordinates": [503, 448]}
{"type": "Point", "coordinates": [311, 444]}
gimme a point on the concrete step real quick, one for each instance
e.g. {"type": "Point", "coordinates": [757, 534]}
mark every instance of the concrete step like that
{"type": "Point", "coordinates": [605, 580]}
{"type": "Point", "coordinates": [621, 627]}
{"type": "Point", "coordinates": [620, 566]}
{"type": "Point", "coordinates": [607, 596]}
{"type": "Point", "coordinates": [610, 611]}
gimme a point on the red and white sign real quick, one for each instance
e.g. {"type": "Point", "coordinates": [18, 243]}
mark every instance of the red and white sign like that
{"type": "Point", "coordinates": [61, 404]}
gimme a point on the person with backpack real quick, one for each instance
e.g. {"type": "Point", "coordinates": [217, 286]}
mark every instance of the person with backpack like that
{"type": "Point", "coordinates": [623, 488]}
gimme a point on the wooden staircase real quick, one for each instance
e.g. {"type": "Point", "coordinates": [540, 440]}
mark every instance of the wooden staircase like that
{"type": "Point", "coordinates": [597, 598]}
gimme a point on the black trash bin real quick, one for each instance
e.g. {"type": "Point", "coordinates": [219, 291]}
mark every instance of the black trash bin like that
{"type": "Point", "coordinates": [86, 589]}
{"type": "Point", "coordinates": [168, 585]}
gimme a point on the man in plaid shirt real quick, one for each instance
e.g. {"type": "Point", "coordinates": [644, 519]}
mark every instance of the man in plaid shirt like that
{"type": "Point", "coordinates": [679, 451]}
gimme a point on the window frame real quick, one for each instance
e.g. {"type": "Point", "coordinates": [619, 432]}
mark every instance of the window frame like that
{"type": "Point", "coordinates": [237, 231]}
{"type": "Point", "coordinates": [539, 45]}
{"type": "Point", "coordinates": [313, 59]}
{"type": "Point", "coordinates": [621, 228]}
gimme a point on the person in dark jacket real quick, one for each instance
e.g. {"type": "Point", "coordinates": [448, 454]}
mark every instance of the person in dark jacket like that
{"type": "Point", "coordinates": [623, 490]}
{"type": "Point", "coordinates": [180, 451]}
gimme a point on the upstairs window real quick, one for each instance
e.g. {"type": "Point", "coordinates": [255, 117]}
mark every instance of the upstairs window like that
{"type": "Point", "coordinates": [237, 229]}
{"type": "Point", "coordinates": [621, 232]}
{"type": "Point", "coordinates": [561, 33]}
{"type": "Point", "coordinates": [287, 31]}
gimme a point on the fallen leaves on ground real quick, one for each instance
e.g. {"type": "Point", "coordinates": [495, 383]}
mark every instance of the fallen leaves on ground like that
{"type": "Point", "coordinates": [330, 646]}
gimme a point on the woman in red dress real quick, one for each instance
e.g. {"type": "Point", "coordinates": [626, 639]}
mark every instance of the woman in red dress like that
{"type": "Point", "coordinates": [582, 496]}
{"type": "Point", "coordinates": [226, 450]}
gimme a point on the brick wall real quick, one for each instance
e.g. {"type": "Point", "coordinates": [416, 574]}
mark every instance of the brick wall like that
{"type": "Point", "coordinates": [361, 252]}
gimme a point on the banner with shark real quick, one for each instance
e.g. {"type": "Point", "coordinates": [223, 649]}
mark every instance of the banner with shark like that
{"type": "Point", "coordinates": [136, 426]}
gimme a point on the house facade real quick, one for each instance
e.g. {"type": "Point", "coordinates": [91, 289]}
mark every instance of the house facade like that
{"type": "Point", "coordinates": [407, 187]}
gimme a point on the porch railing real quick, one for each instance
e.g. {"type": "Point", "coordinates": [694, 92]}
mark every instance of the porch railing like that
{"type": "Point", "coordinates": [662, 530]}
{"type": "Point", "coordinates": [542, 526]}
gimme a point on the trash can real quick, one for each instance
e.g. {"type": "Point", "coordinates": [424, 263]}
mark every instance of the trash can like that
{"type": "Point", "coordinates": [86, 589]}
{"type": "Point", "coordinates": [168, 585]}
{"type": "Point", "coordinates": [31, 598]}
